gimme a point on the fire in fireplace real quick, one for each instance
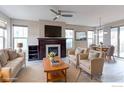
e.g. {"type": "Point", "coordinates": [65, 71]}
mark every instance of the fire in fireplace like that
{"type": "Point", "coordinates": [53, 48]}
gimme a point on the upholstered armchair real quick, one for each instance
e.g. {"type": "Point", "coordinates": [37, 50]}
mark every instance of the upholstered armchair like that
{"type": "Point", "coordinates": [91, 63]}
{"type": "Point", "coordinates": [73, 55]}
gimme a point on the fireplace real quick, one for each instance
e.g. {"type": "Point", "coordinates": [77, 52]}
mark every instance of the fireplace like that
{"type": "Point", "coordinates": [55, 43]}
{"type": "Point", "coordinates": [53, 48]}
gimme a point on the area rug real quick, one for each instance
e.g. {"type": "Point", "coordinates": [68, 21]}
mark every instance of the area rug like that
{"type": "Point", "coordinates": [34, 72]}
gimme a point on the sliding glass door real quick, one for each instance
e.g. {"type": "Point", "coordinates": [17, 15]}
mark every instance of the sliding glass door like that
{"type": "Point", "coordinates": [121, 45]}
{"type": "Point", "coordinates": [114, 39]}
{"type": "Point", "coordinates": [117, 39]}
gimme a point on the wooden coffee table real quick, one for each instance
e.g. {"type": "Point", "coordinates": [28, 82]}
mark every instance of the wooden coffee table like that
{"type": "Point", "coordinates": [55, 73]}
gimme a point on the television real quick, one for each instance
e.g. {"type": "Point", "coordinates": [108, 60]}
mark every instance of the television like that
{"type": "Point", "coordinates": [53, 31]}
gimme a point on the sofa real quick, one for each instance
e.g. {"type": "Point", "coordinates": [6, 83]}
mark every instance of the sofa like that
{"type": "Point", "coordinates": [10, 64]}
{"type": "Point", "coordinates": [74, 53]}
{"type": "Point", "coordinates": [92, 63]}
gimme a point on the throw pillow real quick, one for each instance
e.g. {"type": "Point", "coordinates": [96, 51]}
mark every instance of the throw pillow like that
{"type": "Point", "coordinates": [92, 55]}
{"type": "Point", "coordinates": [6, 54]}
{"type": "Point", "coordinates": [12, 54]}
{"type": "Point", "coordinates": [78, 50]}
{"type": "Point", "coordinates": [3, 59]}
{"type": "Point", "coordinates": [0, 65]}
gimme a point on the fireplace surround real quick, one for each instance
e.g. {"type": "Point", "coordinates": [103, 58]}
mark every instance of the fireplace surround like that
{"type": "Point", "coordinates": [53, 48]}
{"type": "Point", "coordinates": [42, 42]}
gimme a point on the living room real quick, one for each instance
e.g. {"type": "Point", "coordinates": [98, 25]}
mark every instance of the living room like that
{"type": "Point", "coordinates": [76, 35]}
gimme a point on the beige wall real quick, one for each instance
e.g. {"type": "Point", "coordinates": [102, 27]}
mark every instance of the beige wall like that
{"type": "Point", "coordinates": [78, 28]}
{"type": "Point", "coordinates": [36, 30]}
{"type": "Point", "coordinates": [33, 27]}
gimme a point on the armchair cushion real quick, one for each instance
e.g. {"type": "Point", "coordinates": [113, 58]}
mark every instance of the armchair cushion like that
{"type": "Point", "coordinates": [83, 56]}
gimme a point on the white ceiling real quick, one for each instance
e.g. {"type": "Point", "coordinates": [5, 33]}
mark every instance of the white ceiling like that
{"type": "Point", "coordinates": [83, 14]}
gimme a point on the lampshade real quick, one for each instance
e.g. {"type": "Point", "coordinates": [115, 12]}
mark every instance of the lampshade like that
{"type": "Point", "coordinates": [19, 45]}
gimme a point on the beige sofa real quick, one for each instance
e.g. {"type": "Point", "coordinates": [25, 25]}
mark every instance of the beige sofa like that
{"type": "Point", "coordinates": [73, 55]}
{"type": "Point", "coordinates": [92, 63]}
{"type": "Point", "coordinates": [10, 64]}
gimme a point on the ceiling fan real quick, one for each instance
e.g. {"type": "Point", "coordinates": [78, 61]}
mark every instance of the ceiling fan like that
{"type": "Point", "coordinates": [60, 13]}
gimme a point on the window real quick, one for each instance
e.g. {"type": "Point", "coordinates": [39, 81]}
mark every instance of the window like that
{"type": "Point", "coordinates": [20, 35]}
{"type": "Point", "coordinates": [2, 33]}
{"type": "Point", "coordinates": [121, 43]}
{"type": "Point", "coordinates": [69, 34]}
{"type": "Point", "coordinates": [100, 35]}
{"type": "Point", "coordinates": [114, 39]}
{"type": "Point", "coordinates": [1, 38]}
{"type": "Point", "coordinates": [118, 41]}
{"type": "Point", "coordinates": [90, 37]}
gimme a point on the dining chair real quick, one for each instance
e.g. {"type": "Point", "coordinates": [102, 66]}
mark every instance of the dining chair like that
{"type": "Point", "coordinates": [110, 53]}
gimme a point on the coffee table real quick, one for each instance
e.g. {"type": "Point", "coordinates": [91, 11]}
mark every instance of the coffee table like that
{"type": "Point", "coordinates": [55, 73]}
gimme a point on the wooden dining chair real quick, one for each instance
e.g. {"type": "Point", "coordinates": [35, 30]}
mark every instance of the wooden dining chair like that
{"type": "Point", "coordinates": [110, 54]}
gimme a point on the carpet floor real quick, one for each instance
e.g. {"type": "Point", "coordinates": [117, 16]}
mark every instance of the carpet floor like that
{"type": "Point", "coordinates": [34, 72]}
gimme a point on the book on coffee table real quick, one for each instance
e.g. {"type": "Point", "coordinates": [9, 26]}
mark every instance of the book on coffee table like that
{"type": "Point", "coordinates": [55, 63]}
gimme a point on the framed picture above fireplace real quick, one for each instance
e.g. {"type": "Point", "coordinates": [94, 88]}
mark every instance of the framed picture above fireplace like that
{"type": "Point", "coordinates": [80, 35]}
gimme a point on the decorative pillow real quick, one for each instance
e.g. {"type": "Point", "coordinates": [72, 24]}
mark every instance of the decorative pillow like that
{"type": "Point", "coordinates": [78, 50]}
{"type": "Point", "coordinates": [0, 65]}
{"type": "Point", "coordinates": [12, 54]}
{"type": "Point", "coordinates": [92, 55]}
{"type": "Point", "coordinates": [3, 59]}
{"type": "Point", "coordinates": [6, 54]}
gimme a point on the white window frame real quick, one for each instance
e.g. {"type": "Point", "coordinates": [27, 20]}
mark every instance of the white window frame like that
{"type": "Point", "coordinates": [100, 30]}
{"type": "Point", "coordinates": [70, 38]}
{"type": "Point", "coordinates": [90, 38]}
{"type": "Point", "coordinates": [18, 37]}
{"type": "Point", "coordinates": [3, 37]}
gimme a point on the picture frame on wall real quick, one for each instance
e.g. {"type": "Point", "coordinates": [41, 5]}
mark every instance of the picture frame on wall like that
{"type": "Point", "coordinates": [80, 35]}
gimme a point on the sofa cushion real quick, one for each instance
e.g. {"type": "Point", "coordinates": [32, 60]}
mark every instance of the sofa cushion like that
{"type": "Point", "coordinates": [3, 59]}
{"type": "Point", "coordinates": [78, 50]}
{"type": "Point", "coordinates": [12, 54]}
{"type": "Point", "coordinates": [93, 55]}
{"type": "Point", "coordinates": [15, 65]}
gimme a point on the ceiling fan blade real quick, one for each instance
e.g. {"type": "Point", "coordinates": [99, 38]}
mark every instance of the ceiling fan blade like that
{"type": "Point", "coordinates": [67, 15]}
{"type": "Point", "coordinates": [66, 11]}
{"type": "Point", "coordinates": [54, 11]}
{"type": "Point", "coordinates": [55, 18]}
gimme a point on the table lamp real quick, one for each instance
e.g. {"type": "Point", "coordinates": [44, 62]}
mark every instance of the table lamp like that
{"type": "Point", "coordinates": [19, 45]}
